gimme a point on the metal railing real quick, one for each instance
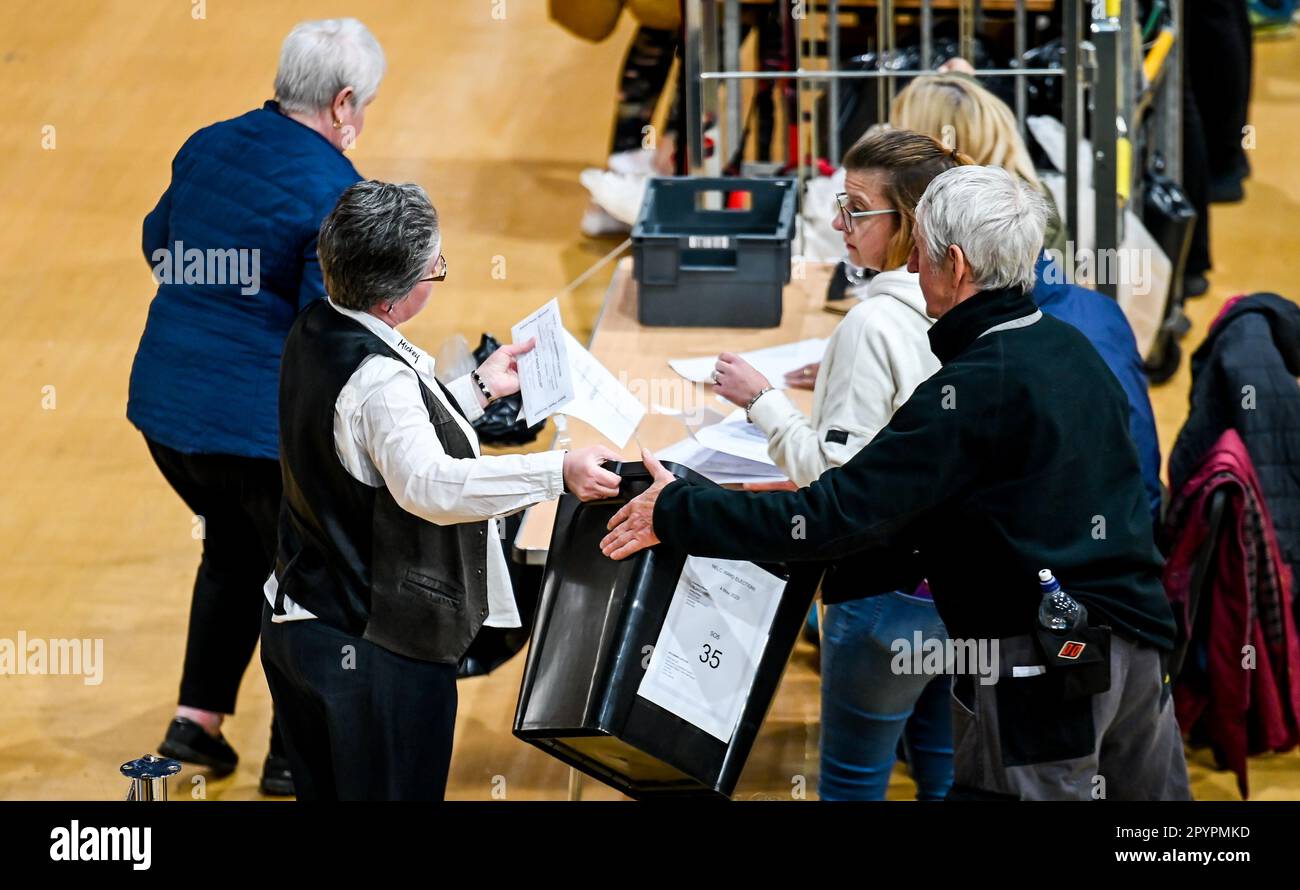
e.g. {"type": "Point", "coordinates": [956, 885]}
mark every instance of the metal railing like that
{"type": "Point", "coordinates": [1102, 68]}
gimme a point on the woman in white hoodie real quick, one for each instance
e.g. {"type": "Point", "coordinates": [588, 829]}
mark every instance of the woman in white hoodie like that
{"type": "Point", "coordinates": [877, 356]}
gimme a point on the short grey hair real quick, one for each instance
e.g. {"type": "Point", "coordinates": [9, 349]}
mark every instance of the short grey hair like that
{"type": "Point", "coordinates": [377, 243]}
{"type": "Point", "coordinates": [997, 219]}
{"type": "Point", "coordinates": [321, 57]}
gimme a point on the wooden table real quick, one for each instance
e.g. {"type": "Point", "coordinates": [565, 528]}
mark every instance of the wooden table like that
{"type": "Point", "coordinates": [639, 355]}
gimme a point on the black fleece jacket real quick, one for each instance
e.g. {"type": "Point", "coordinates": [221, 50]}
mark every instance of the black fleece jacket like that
{"type": "Point", "coordinates": [1015, 456]}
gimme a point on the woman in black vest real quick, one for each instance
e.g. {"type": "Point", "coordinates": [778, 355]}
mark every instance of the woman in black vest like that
{"type": "Point", "coordinates": [390, 556]}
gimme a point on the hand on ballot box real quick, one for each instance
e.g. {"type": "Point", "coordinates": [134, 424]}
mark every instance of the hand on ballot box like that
{"type": "Point", "coordinates": [585, 474]}
{"type": "Point", "coordinates": [633, 529]}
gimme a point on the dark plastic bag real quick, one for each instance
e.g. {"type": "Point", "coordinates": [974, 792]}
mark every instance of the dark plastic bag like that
{"type": "Point", "coordinates": [498, 425]}
{"type": "Point", "coordinates": [1170, 218]}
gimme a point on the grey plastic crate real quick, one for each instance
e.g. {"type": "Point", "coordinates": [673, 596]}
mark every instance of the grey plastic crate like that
{"type": "Point", "coordinates": [701, 267]}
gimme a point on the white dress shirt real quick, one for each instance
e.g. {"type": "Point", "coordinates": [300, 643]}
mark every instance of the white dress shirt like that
{"type": "Point", "coordinates": [383, 436]}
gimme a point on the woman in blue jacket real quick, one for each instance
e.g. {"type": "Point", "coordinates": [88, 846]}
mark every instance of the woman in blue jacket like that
{"type": "Point", "coordinates": [232, 244]}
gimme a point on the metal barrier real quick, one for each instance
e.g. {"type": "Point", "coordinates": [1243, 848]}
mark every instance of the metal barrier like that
{"type": "Point", "coordinates": [1105, 66]}
{"type": "Point", "coordinates": [149, 776]}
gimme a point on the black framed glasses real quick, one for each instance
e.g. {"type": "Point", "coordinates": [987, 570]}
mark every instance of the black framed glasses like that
{"type": "Point", "coordinates": [849, 217]}
{"type": "Point", "coordinates": [439, 270]}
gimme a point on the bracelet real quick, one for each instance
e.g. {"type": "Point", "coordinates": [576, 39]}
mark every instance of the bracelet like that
{"type": "Point", "coordinates": [758, 395]}
{"type": "Point", "coordinates": [487, 393]}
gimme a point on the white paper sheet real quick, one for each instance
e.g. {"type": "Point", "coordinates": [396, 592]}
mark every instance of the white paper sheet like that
{"type": "Point", "coordinates": [707, 654]}
{"type": "Point", "coordinates": [736, 436]}
{"type": "Point", "coordinates": [599, 399]}
{"type": "Point", "coordinates": [545, 378]}
{"type": "Point", "coordinates": [718, 466]}
{"type": "Point", "coordinates": [772, 362]}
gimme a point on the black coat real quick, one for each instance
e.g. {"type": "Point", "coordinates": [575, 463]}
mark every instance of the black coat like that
{"type": "Point", "coordinates": [1244, 378]}
{"type": "Point", "coordinates": [1015, 456]}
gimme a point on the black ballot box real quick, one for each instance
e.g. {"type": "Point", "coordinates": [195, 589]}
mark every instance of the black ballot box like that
{"type": "Point", "coordinates": [598, 623]}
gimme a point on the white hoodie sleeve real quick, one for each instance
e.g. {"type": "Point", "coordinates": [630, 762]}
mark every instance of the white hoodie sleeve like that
{"type": "Point", "coordinates": [876, 358]}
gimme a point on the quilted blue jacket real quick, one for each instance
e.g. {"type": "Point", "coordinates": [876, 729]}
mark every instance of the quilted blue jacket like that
{"type": "Point", "coordinates": [232, 242]}
{"type": "Point", "coordinates": [1100, 319]}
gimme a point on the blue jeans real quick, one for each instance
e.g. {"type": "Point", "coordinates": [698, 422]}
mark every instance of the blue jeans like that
{"type": "Point", "coordinates": [866, 707]}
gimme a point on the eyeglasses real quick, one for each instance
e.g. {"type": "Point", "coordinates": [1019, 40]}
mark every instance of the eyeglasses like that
{"type": "Point", "coordinates": [439, 270]}
{"type": "Point", "coordinates": [848, 217]}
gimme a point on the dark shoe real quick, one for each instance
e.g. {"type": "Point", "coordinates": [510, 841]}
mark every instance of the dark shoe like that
{"type": "Point", "coordinates": [277, 779]}
{"type": "Point", "coordinates": [189, 742]}
{"type": "Point", "coordinates": [1195, 285]}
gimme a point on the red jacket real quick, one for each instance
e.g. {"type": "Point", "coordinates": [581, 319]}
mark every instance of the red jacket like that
{"type": "Point", "coordinates": [1248, 705]}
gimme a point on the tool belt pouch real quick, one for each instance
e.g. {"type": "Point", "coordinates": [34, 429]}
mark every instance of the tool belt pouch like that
{"type": "Point", "coordinates": [1080, 658]}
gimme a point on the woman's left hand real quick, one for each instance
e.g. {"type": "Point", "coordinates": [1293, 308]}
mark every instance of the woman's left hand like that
{"type": "Point", "coordinates": [500, 372]}
{"type": "Point", "coordinates": [736, 380]}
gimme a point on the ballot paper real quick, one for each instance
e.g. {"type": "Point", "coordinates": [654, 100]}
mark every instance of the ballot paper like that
{"type": "Point", "coordinates": [772, 362]}
{"type": "Point", "coordinates": [707, 654]}
{"type": "Point", "coordinates": [599, 399]}
{"type": "Point", "coordinates": [736, 436]}
{"type": "Point", "coordinates": [545, 377]}
{"type": "Point", "coordinates": [718, 466]}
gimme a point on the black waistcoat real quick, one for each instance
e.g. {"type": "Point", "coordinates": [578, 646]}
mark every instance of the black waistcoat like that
{"type": "Point", "coordinates": [348, 553]}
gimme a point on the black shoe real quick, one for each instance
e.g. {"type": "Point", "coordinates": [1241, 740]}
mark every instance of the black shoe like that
{"type": "Point", "coordinates": [277, 779]}
{"type": "Point", "coordinates": [1194, 285]}
{"type": "Point", "coordinates": [188, 741]}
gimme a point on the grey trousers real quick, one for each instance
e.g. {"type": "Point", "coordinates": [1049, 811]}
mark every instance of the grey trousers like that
{"type": "Point", "coordinates": [1016, 738]}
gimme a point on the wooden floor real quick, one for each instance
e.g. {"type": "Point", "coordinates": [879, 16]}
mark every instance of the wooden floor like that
{"type": "Point", "coordinates": [496, 118]}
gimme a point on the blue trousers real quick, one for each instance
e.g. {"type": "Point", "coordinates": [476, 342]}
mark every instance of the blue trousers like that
{"type": "Point", "coordinates": [866, 707]}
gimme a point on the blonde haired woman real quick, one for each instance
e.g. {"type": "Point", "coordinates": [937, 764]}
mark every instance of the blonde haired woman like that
{"type": "Point", "coordinates": [877, 356]}
{"type": "Point", "coordinates": [962, 114]}
{"type": "Point", "coordinates": [954, 108]}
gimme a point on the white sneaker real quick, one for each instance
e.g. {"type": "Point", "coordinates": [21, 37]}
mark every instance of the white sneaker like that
{"type": "Point", "coordinates": [596, 223]}
{"type": "Point", "coordinates": [619, 195]}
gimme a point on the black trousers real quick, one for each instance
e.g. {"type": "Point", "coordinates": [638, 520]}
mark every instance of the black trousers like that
{"type": "Point", "coordinates": [645, 74]}
{"type": "Point", "coordinates": [238, 499]}
{"type": "Point", "coordinates": [359, 722]}
{"type": "Point", "coordinates": [1196, 185]}
{"type": "Point", "coordinates": [1220, 57]}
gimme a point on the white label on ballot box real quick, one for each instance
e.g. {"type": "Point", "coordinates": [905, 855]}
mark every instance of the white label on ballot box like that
{"type": "Point", "coordinates": [707, 654]}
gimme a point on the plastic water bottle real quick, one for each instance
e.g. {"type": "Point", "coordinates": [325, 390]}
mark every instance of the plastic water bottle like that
{"type": "Point", "coordinates": [1058, 611]}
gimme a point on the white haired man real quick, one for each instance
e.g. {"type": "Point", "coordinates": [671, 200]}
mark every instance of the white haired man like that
{"type": "Point", "coordinates": [1014, 457]}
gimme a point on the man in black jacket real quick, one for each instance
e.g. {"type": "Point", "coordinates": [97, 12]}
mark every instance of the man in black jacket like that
{"type": "Point", "coordinates": [1014, 457]}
